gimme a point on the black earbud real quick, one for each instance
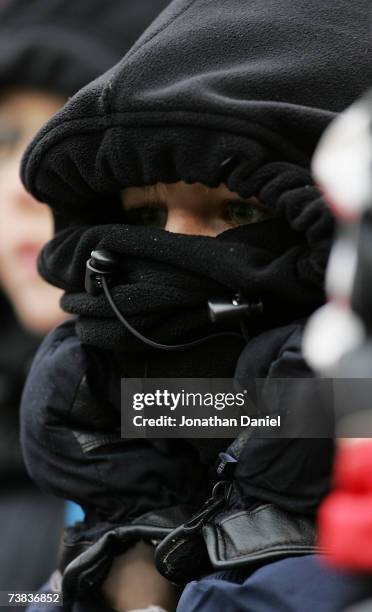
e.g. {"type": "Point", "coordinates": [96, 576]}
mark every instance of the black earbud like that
{"type": "Point", "coordinates": [236, 308]}
{"type": "Point", "coordinates": [101, 264]}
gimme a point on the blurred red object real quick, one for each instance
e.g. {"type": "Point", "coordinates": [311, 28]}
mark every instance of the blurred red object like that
{"type": "Point", "coordinates": [345, 518]}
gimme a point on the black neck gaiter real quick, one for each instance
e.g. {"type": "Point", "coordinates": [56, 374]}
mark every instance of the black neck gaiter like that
{"type": "Point", "coordinates": [164, 281]}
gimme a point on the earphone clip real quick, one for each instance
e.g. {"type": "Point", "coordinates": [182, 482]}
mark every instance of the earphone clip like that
{"type": "Point", "coordinates": [101, 263]}
{"type": "Point", "coordinates": [221, 309]}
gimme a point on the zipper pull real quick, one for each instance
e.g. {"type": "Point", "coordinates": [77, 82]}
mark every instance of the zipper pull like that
{"type": "Point", "coordinates": [220, 496]}
{"type": "Point", "coordinates": [226, 466]}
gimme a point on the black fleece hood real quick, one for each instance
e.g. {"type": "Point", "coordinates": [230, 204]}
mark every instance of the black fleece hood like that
{"type": "Point", "coordinates": [210, 90]}
{"type": "Point", "coordinates": [216, 91]}
{"type": "Point", "coordinates": [61, 45]}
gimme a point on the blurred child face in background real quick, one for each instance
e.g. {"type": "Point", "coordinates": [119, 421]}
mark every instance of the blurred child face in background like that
{"type": "Point", "coordinates": [25, 224]}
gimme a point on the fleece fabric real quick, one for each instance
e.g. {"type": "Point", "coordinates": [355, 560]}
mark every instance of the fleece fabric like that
{"type": "Point", "coordinates": [59, 46]}
{"type": "Point", "coordinates": [209, 89]}
{"type": "Point", "coordinates": [164, 280]}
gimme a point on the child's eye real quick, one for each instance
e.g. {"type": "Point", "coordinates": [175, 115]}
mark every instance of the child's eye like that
{"type": "Point", "coordinates": [150, 216]}
{"type": "Point", "coordinates": [243, 213]}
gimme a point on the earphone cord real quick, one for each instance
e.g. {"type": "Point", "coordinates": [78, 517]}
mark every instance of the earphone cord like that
{"type": "Point", "coordinates": [152, 343]}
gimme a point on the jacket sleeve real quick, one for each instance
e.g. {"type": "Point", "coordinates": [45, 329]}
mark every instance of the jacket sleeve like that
{"type": "Point", "coordinates": [72, 446]}
{"type": "Point", "coordinates": [292, 470]}
{"type": "Point", "coordinates": [264, 506]}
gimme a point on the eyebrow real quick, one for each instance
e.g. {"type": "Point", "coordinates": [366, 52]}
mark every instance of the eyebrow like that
{"type": "Point", "coordinates": [155, 200]}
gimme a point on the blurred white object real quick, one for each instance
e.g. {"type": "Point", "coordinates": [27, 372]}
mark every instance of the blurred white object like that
{"type": "Point", "coordinates": [342, 161]}
{"type": "Point", "coordinates": [332, 331]}
{"type": "Point", "coordinates": [342, 167]}
{"type": "Point", "coordinates": [342, 266]}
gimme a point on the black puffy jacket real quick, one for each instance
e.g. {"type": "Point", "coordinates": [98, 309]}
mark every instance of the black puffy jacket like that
{"type": "Point", "coordinates": [131, 489]}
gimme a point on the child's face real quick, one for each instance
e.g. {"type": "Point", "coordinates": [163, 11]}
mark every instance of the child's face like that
{"type": "Point", "coordinates": [25, 225]}
{"type": "Point", "coordinates": [191, 209]}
